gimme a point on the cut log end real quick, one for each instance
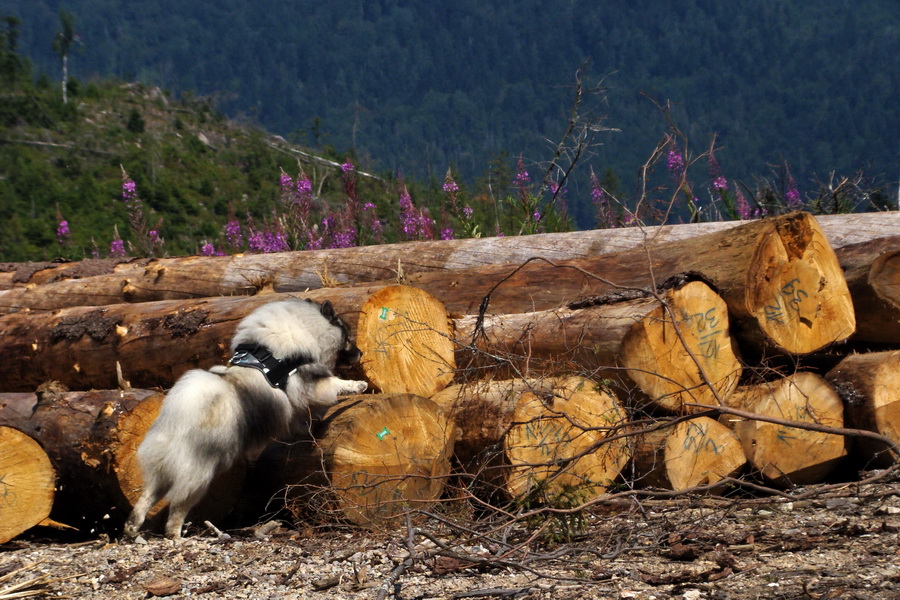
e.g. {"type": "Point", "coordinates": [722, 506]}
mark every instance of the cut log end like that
{"type": "Point", "coordinates": [796, 290]}
{"type": "Point", "coordinates": [557, 448]}
{"type": "Point", "coordinates": [699, 452]}
{"type": "Point", "coordinates": [407, 341]}
{"type": "Point", "coordinates": [870, 387]}
{"type": "Point", "coordinates": [673, 368]}
{"type": "Point", "coordinates": [791, 455]}
{"type": "Point", "coordinates": [386, 455]}
{"type": "Point", "coordinates": [27, 482]}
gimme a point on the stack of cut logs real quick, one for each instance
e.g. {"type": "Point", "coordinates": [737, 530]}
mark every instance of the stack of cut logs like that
{"type": "Point", "coordinates": [541, 368]}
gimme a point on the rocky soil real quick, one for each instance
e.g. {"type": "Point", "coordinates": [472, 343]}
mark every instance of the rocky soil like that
{"type": "Point", "coordinates": [840, 543]}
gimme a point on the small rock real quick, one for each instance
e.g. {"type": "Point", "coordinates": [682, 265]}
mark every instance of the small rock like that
{"type": "Point", "coordinates": [162, 585]}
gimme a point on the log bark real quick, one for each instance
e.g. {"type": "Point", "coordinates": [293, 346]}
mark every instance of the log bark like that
{"type": "Point", "coordinates": [563, 449]}
{"type": "Point", "coordinates": [698, 452]}
{"type": "Point", "coordinates": [50, 286]}
{"type": "Point", "coordinates": [633, 343]}
{"type": "Point", "coordinates": [91, 439]}
{"type": "Point", "coordinates": [483, 411]}
{"type": "Point", "coordinates": [383, 456]}
{"type": "Point", "coordinates": [869, 384]}
{"type": "Point", "coordinates": [27, 483]}
{"type": "Point", "coordinates": [785, 455]}
{"type": "Point", "coordinates": [872, 271]}
{"type": "Point", "coordinates": [406, 338]}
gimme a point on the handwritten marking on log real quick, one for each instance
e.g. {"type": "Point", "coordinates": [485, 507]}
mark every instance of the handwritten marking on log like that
{"type": "Point", "coordinates": [791, 455]}
{"type": "Point", "coordinates": [557, 445]}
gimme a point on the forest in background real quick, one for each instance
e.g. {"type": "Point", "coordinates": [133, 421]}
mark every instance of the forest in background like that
{"type": "Point", "coordinates": [412, 89]}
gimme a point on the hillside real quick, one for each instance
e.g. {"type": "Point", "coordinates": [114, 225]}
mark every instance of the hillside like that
{"type": "Point", "coordinates": [193, 171]}
{"type": "Point", "coordinates": [415, 87]}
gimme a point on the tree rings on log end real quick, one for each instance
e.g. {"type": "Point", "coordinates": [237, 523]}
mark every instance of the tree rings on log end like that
{"type": "Point", "coordinates": [796, 289]}
{"type": "Point", "coordinates": [673, 368]}
{"type": "Point", "coordinates": [698, 452]}
{"type": "Point", "coordinates": [406, 339]}
{"type": "Point", "coordinates": [27, 483]}
{"type": "Point", "coordinates": [790, 455]}
{"type": "Point", "coordinates": [386, 455]}
{"type": "Point", "coordinates": [556, 448]}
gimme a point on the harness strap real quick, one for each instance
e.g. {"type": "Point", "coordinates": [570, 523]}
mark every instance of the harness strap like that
{"type": "Point", "coordinates": [260, 358]}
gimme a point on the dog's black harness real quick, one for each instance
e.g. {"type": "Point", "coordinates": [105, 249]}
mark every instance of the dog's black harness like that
{"type": "Point", "coordinates": [260, 358]}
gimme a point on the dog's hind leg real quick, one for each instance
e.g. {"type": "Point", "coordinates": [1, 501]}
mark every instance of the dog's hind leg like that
{"type": "Point", "coordinates": [149, 497]}
{"type": "Point", "coordinates": [178, 511]}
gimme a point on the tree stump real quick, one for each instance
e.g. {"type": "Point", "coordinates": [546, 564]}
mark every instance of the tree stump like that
{"type": "Point", "coordinates": [869, 384]}
{"type": "Point", "coordinates": [557, 449]}
{"type": "Point", "coordinates": [27, 483]}
{"type": "Point", "coordinates": [698, 452]}
{"type": "Point", "coordinates": [633, 343]}
{"type": "Point", "coordinates": [788, 455]}
{"type": "Point", "coordinates": [384, 455]}
{"type": "Point", "coordinates": [406, 339]}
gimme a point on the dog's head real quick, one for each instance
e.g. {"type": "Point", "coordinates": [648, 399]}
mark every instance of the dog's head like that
{"type": "Point", "coordinates": [299, 328]}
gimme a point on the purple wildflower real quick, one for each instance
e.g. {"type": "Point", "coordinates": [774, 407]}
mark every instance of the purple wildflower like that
{"type": "Point", "coordinates": [347, 167]}
{"type": "Point", "coordinates": [467, 211]}
{"type": "Point", "coordinates": [208, 249]}
{"type": "Point", "coordinates": [718, 183]}
{"type": "Point", "coordinates": [415, 223]}
{"type": "Point", "coordinates": [602, 210]}
{"type": "Point", "coordinates": [791, 194]}
{"type": "Point", "coordinates": [742, 206]}
{"type": "Point", "coordinates": [62, 233]}
{"type": "Point", "coordinates": [522, 176]}
{"type": "Point", "coordinates": [233, 236]}
{"type": "Point", "coordinates": [675, 162]}
{"type": "Point", "coordinates": [447, 234]}
{"type": "Point", "coordinates": [117, 246]}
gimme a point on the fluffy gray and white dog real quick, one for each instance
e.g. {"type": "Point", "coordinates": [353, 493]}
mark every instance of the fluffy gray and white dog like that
{"type": "Point", "coordinates": [284, 356]}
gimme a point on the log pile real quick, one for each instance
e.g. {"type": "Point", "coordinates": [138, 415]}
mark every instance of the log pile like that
{"type": "Point", "coordinates": [538, 369]}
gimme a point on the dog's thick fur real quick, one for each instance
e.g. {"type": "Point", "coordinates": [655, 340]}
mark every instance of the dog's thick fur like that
{"type": "Point", "coordinates": [210, 419]}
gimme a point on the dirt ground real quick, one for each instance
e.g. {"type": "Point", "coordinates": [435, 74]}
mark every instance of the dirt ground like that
{"type": "Point", "coordinates": [842, 543]}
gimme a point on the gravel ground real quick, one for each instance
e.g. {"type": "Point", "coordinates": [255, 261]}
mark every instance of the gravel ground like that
{"type": "Point", "coordinates": [840, 544]}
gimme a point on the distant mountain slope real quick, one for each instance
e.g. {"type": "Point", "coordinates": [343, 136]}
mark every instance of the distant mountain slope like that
{"type": "Point", "coordinates": [415, 86]}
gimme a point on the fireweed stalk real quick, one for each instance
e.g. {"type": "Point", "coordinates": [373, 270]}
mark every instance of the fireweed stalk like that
{"type": "Point", "coordinates": [718, 186]}
{"type": "Point", "coordinates": [415, 223]}
{"type": "Point", "coordinates": [604, 216]}
{"type": "Point", "coordinates": [677, 166]}
{"type": "Point", "coordinates": [148, 240]}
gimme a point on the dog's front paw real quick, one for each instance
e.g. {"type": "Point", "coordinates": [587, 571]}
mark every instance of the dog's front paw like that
{"type": "Point", "coordinates": [354, 387]}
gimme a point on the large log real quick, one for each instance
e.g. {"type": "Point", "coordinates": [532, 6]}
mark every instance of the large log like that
{"type": "Point", "coordinates": [872, 271]}
{"type": "Point", "coordinates": [783, 454]}
{"type": "Point", "coordinates": [633, 343]}
{"type": "Point", "coordinates": [778, 276]}
{"type": "Point", "coordinates": [27, 482]}
{"type": "Point", "coordinates": [91, 439]}
{"type": "Point", "coordinates": [869, 384]}
{"type": "Point", "coordinates": [50, 286]}
{"type": "Point", "coordinates": [371, 460]}
{"type": "Point", "coordinates": [406, 339]}
{"type": "Point", "coordinates": [697, 452]}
